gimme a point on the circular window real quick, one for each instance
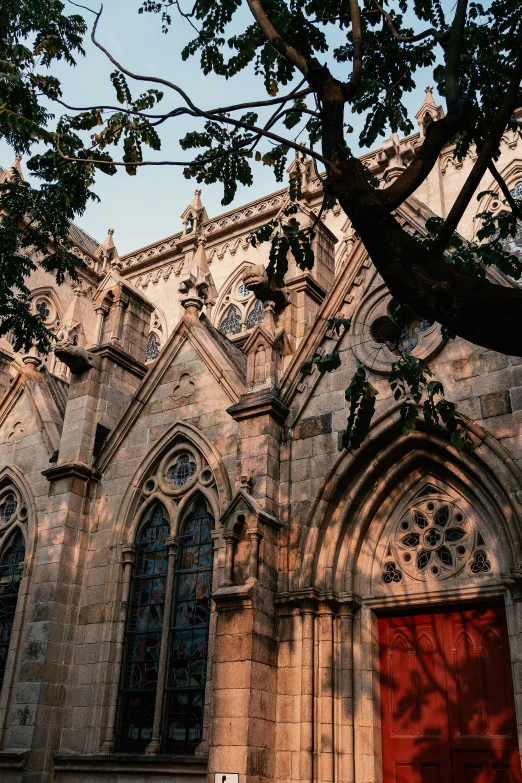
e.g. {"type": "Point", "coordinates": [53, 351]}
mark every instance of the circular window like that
{"type": "Point", "coordinates": [182, 470]}
{"type": "Point", "coordinates": [435, 538]}
{"type": "Point", "coordinates": [377, 337]}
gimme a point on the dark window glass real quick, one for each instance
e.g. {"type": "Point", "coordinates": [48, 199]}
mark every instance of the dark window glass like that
{"type": "Point", "coordinates": [8, 508]}
{"type": "Point", "coordinates": [182, 470]}
{"type": "Point", "coordinates": [143, 634]}
{"type": "Point", "coordinates": [232, 323]}
{"type": "Point", "coordinates": [9, 585]}
{"type": "Point", "coordinates": [256, 315]}
{"type": "Point", "coordinates": [153, 347]}
{"type": "Point", "coordinates": [188, 637]}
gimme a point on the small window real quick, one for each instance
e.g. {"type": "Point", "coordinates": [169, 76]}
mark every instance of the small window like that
{"type": "Point", "coordinates": [153, 348]}
{"type": "Point", "coordinates": [256, 315]}
{"type": "Point", "coordinates": [182, 471]}
{"type": "Point", "coordinates": [231, 324]}
{"type": "Point", "coordinates": [8, 508]}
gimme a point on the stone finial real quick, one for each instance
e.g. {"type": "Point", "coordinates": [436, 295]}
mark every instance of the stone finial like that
{"type": "Point", "coordinates": [7, 175]}
{"type": "Point", "coordinates": [197, 286]}
{"type": "Point", "coordinates": [428, 89]}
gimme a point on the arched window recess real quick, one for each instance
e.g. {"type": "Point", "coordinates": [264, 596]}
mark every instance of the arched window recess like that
{"type": "Point", "coordinates": [12, 556]}
{"type": "Point", "coordinates": [169, 585]}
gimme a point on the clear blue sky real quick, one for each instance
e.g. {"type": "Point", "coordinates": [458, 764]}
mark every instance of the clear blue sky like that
{"type": "Point", "coordinates": [145, 208]}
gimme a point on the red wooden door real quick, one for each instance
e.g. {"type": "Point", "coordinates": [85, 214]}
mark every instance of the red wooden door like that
{"type": "Point", "coordinates": [447, 699]}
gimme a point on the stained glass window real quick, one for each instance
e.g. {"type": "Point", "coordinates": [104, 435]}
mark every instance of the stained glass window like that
{"type": "Point", "coordinates": [143, 634]}
{"type": "Point", "coordinates": [231, 324]}
{"type": "Point", "coordinates": [43, 309]}
{"type": "Point", "coordinates": [256, 315]}
{"type": "Point", "coordinates": [9, 585]}
{"type": "Point", "coordinates": [182, 470]}
{"type": "Point", "coordinates": [8, 508]}
{"type": "Point", "coordinates": [153, 347]}
{"type": "Point", "coordinates": [243, 291]}
{"type": "Point", "coordinates": [517, 190]}
{"type": "Point", "coordinates": [513, 245]}
{"type": "Point", "coordinates": [188, 638]}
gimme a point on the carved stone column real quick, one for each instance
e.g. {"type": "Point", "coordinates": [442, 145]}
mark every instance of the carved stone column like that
{"type": "Point", "coordinates": [128, 554]}
{"type": "Point", "coordinates": [307, 611]}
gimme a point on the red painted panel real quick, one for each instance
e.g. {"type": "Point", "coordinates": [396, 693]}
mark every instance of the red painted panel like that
{"type": "Point", "coordinates": [447, 699]}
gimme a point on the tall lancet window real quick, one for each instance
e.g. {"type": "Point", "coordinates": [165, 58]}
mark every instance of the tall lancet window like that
{"type": "Point", "coordinates": [188, 643]}
{"type": "Point", "coordinates": [144, 631]}
{"type": "Point", "coordinates": [162, 691]}
{"type": "Point", "coordinates": [10, 575]}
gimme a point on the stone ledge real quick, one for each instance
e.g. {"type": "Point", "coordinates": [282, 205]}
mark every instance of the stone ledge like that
{"type": "Point", "coordinates": [13, 758]}
{"type": "Point", "coordinates": [259, 404]}
{"type": "Point", "coordinates": [130, 764]}
{"type": "Point", "coordinates": [71, 469]}
{"type": "Point", "coordinates": [115, 353]}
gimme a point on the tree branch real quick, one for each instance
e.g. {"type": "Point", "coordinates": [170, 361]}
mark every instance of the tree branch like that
{"type": "Point", "coordinates": [355, 78]}
{"type": "Point", "coordinates": [436, 34]}
{"type": "Point", "coordinates": [485, 155]}
{"type": "Point", "coordinates": [196, 112]}
{"type": "Point", "coordinates": [453, 52]}
{"type": "Point", "coordinates": [275, 40]}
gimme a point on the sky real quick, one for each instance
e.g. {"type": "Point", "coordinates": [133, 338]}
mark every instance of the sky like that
{"type": "Point", "coordinates": [147, 207]}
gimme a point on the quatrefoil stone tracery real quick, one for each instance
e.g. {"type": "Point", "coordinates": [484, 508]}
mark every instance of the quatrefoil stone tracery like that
{"type": "Point", "coordinates": [435, 538]}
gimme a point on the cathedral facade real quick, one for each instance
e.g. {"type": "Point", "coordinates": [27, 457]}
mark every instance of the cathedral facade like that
{"type": "Point", "coordinates": [196, 580]}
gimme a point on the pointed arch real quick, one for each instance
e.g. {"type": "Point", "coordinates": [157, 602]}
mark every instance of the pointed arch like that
{"type": "Point", "coordinates": [361, 491]}
{"type": "Point", "coordinates": [26, 517]}
{"type": "Point", "coordinates": [178, 434]}
{"type": "Point", "coordinates": [232, 294]}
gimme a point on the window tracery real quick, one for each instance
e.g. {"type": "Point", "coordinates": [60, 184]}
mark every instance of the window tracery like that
{"type": "Point", "coordinates": [237, 311]}
{"type": "Point", "coordinates": [153, 348]}
{"type": "Point", "coordinates": [256, 315]}
{"type": "Point", "coordinates": [513, 245]}
{"type": "Point", "coordinates": [183, 469]}
{"type": "Point", "coordinates": [7, 508]}
{"type": "Point", "coordinates": [10, 575]}
{"type": "Point", "coordinates": [434, 539]}
{"type": "Point", "coordinates": [231, 324]}
{"type": "Point", "coordinates": [162, 687]}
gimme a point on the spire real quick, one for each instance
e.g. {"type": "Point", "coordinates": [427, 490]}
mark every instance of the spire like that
{"type": "Point", "coordinates": [17, 166]}
{"type": "Point", "coordinates": [428, 112]}
{"type": "Point", "coordinates": [194, 215]}
{"type": "Point", "coordinates": [107, 251]}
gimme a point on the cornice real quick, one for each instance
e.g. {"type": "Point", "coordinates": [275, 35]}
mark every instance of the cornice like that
{"type": "Point", "coordinates": [309, 285]}
{"type": "Point", "coordinates": [119, 356]}
{"type": "Point", "coordinates": [259, 404]}
{"type": "Point", "coordinates": [71, 470]}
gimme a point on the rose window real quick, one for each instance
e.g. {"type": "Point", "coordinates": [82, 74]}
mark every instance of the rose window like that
{"type": "Point", "coordinates": [8, 508]}
{"type": "Point", "coordinates": [435, 539]}
{"type": "Point", "coordinates": [184, 469]}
